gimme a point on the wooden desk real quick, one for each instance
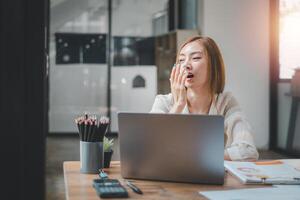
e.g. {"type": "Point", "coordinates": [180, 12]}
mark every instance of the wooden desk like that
{"type": "Point", "coordinates": [79, 186]}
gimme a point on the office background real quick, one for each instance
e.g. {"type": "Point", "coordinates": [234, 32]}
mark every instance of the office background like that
{"type": "Point", "coordinates": [79, 87]}
{"type": "Point", "coordinates": [244, 40]}
{"type": "Point", "coordinates": [52, 93]}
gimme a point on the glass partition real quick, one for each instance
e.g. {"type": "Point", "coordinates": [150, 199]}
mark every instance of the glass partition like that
{"type": "Point", "coordinates": [141, 53]}
{"type": "Point", "coordinates": [78, 67]}
{"type": "Point", "coordinates": [134, 73]}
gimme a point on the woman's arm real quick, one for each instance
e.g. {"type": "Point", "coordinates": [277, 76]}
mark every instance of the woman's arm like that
{"type": "Point", "coordinates": [240, 145]}
{"type": "Point", "coordinates": [226, 156]}
{"type": "Point", "coordinates": [161, 104]}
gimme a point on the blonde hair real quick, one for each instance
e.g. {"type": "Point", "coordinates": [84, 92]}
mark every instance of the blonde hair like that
{"type": "Point", "coordinates": [216, 68]}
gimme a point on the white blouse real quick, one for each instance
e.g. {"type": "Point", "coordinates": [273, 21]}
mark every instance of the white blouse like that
{"type": "Point", "coordinates": [239, 145]}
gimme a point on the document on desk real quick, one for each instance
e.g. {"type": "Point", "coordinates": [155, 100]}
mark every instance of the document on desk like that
{"type": "Point", "coordinates": [277, 192]}
{"type": "Point", "coordinates": [264, 172]}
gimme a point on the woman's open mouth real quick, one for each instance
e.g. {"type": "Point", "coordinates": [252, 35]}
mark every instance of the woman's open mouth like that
{"type": "Point", "coordinates": [190, 76]}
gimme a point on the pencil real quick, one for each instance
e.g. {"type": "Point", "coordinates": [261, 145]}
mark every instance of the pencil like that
{"type": "Point", "coordinates": [92, 129]}
{"type": "Point", "coordinates": [85, 130]}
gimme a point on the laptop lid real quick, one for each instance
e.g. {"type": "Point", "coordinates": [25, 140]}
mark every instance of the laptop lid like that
{"type": "Point", "coordinates": [172, 147]}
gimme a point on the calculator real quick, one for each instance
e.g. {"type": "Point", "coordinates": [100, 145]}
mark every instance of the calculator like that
{"type": "Point", "coordinates": [109, 188]}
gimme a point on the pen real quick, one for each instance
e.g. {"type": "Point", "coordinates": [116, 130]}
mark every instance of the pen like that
{"type": "Point", "coordinates": [134, 188]}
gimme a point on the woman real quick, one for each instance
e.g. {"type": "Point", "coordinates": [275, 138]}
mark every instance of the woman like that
{"type": "Point", "coordinates": [197, 82]}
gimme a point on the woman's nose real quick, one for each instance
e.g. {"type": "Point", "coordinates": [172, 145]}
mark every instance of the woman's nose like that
{"type": "Point", "coordinates": [188, 66]}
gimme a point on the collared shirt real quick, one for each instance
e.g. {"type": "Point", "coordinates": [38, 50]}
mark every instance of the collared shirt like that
{"type": "Point", "coordinates": [240, 144]}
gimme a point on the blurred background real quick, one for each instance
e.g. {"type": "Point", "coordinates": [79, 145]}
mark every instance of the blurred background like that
{"type": "Point", "coordinates": [106, 56]}
{"type": "Point", "coordinates": [144, 38]}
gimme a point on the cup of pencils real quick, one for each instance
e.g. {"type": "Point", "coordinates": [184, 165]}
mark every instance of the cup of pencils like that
{"type": "Point", "coordinates": [91, 133]}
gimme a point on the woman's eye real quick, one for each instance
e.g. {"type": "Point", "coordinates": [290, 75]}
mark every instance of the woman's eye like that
{"type": "Point", "coordinates": [181, 60]}
{"type": "Point", "coordinates": [197, 58]}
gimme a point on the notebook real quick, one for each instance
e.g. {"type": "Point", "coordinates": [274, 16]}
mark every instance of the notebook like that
{"type": "Point", "coordinates": [264, 172]}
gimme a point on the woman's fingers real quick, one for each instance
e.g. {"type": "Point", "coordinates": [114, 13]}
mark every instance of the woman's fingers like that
{"type": "Point", "coordinates": [172, 73]}
{"type": "Point", "coordinates": [184, 77]}
{"type": "Point", "coordinates": [181, 77]}
{"type": "Point", "coordinates": [182, 90]}
{"type": "Point", "coordinates": [177, 72]}
{"type": "Point", "coordinates": [177, 80]}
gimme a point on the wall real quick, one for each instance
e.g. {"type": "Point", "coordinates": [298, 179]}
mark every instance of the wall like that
{"type": "Point", "coordinates": [241, 29]}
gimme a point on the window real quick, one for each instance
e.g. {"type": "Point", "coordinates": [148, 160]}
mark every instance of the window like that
{"type": "Point", "coordinates": [289, 37]}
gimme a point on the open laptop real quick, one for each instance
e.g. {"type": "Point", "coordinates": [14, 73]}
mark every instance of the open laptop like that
{"type": "Point", "coordinates": [172, 147]}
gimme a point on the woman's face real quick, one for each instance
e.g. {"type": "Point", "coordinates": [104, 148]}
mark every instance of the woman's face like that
{"type": "Point", "coordinates": [194, 58]}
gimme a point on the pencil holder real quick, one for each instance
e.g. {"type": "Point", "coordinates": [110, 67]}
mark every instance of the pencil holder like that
{"type": "Point", "coordinates": [91, 157]}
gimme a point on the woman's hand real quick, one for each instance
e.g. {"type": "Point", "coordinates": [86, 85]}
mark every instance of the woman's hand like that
{"type": "Point", "coordinates": [226, 155]}
{"type": "Point", "coordinates": [177, 80]}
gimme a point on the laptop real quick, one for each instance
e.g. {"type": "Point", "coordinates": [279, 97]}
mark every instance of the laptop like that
{"type": "Point", "coordinates": [172, 147]}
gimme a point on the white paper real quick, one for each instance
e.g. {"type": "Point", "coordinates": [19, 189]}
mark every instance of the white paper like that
{"type": "Point", "coordinates": [249, 172]}
{"type": "Point", "coordinates": [291, 192]}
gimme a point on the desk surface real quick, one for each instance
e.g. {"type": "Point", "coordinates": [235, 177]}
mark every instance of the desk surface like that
{"type": "Point", "coordinates": [79, 186]}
